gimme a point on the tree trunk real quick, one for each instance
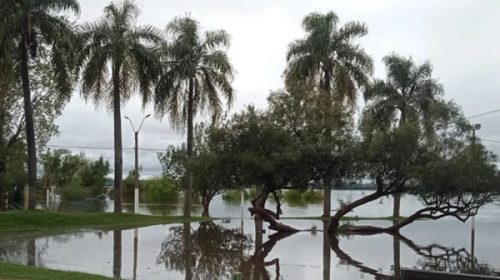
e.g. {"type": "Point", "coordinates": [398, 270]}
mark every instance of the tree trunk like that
{"type": "Point", "coordinates": [327, 197]}
{"type": "Point", "coordinates": [189, 188]}
{"type": "Point", "coordinates": [118, 138]}
{"type": "Point", "coordinates": [205, 201]}
{"type": "Point", "coordinates": [397, 205]}
{"type": "Point", "coordinates": [368, 230]}
{"type": "Point", "coordinates": [30, 125]}
{"type": "Point", "coordinates": [397, 196]}
{"type": "Point", "coordinates": [335, 220]}
{"type": "Point", "coordinates": [3, 168]}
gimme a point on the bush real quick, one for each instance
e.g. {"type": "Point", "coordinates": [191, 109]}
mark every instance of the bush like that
{"type": "Point", "coordinates": [75, 193]}
{"type": "Point", "coordinates": [161, 190]}
{"type": "Point", "coordinates": [303, 196]}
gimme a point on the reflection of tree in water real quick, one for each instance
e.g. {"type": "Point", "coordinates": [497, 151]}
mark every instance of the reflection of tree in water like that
{"type": "Point", "coordinates": [255, 267]}
{"type": "Point", "coordinates": [434, 257]}
{"type": "Point", "coordinates": [213, 250]}
{"type": "Point", "coordinates": [449, 259]}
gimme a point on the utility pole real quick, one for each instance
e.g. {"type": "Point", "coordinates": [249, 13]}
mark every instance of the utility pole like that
{"type": "Point", "coordinates": [136, 171]}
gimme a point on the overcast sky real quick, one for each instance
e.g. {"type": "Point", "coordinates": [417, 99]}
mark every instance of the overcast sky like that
{"type": "Point", "coordinates": [460, 38]}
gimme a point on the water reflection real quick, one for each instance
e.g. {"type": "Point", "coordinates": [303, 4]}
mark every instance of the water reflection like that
{"type": "Point", "coordinates": [117, 253]}
{"type": "Point", "coordinates": [326, 252]}
{"type": "Point", "coordinates": [255, 267]}
{"type": "Point", "coordinates": [434, 257]}
{"type": "Point", "coordinates": [209, 252]}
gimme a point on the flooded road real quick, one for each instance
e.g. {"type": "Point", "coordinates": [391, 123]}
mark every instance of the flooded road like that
{"type": "Point", "coordinates": [223, 249]}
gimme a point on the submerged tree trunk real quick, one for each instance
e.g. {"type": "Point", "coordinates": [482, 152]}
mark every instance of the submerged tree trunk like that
{"type": "Point", "coordinates": [30, 125]}
{"type": "Point", "coordinates": [327, 196]}
{"type": "Point", "coordinates": [335, 220]}
{"type": "Point", "coordinates": [397, 205]}
{"type": "Point", "coordinates": [367, 230]}
{"type": "Point", "coordinates": [118, 138]}
{"type": "Point", "coordinates": [205, 201]}
{"type": "Point", "coordinates": [267, 215]}
{"type": "Point", "coordinates": [189, 172]}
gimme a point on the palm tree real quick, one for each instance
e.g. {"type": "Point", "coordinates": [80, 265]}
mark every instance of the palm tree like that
{"type": "Point", "coordinates": [409, 90]}
{"type": "Point", "coordinates": [114, 44]}
{"type": "Point", "coordinates": [197, 74]}
{"type": "Point", "coordinates": [23, 26]}
{"type": "Point", "coordinates": [329, 59]}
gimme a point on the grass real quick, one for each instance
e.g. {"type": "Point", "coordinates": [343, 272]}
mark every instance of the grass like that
{"type": "Point", "coordinates": [16, 271]}
{"type": "Point", "coordinates": [34, 221]}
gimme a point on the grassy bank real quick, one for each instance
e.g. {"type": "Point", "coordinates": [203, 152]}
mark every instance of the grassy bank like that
{"type": "Point", "coordinates": [15, 271]}
{"type": "Point", "coordinates": [24, 221]}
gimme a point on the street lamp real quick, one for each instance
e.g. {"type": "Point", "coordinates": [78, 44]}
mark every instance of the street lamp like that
{"type": "Point", "coordinates": [475, 127]}
{"type": "Point", "coordinates": [136, 173]}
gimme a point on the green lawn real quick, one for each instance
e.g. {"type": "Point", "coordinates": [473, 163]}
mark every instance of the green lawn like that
{"type": "Point", "coordinates": [16, 271]}
{"type": "Point", "coordinates": [35, 221]}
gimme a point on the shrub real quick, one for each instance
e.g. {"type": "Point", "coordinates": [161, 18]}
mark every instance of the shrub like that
{"type": "Point", "coordinates": [161, 190]}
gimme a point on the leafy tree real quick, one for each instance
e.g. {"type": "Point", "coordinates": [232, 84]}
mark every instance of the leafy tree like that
{"type": "Point", "coordinates": [115, 44]}
{"type": "Point", "coordinates": [299, 110]}
{"type": "Point", "coordinates": [264, 156]}
{"type": "Point", "coordinates": [197, 75]}
{"type": "Point", "coordinates": [405, 160]}
{"type": "Point", "coordinates": [410, 90]}
{"type": "Point", "coordinates": [329, 59]}
{"type": "Point", "coordinates": [161, 190]}
{"type": "Point", "coordinates": [210, 163]}
{"type": "Point", "coordinates": [47, 103]}
{"type": "Point", "coordinates": [24, 26]}
{"type": "Point", "coordinates": [75, 176]}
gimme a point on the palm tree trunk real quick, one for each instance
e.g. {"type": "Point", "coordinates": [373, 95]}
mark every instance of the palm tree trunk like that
{"type": "Point", "coordinates": [397, 196]}
{"type": "Point", "coordinates": [189, 187]}
{"type": "Point", "coordinates": [327, 181]}
{"type": "Point", "coordinates": [118, 139]}
{"type": "Point", "coordinates": [30, 125]}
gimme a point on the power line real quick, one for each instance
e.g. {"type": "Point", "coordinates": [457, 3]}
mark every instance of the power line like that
{"type": "Point", "coordinates": [102, 148]}
{"type": "Point", "coordinates": [483, 114]}
{"type": "Point", "coordinates": [491, 141]}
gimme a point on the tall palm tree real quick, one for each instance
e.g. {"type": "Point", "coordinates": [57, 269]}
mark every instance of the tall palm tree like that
{"type": "Point", "coordinates": [409, 90]}
{"type": "Point", "coordinates": [329, 59]}
{"type": "Point", "coordinates": [197, 75]}
{"type": "Point", "coordinates": [117, 59]}
{"type": "Point", "coordinates": [23, 26]}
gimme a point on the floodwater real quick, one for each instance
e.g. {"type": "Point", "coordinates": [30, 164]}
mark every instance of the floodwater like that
{"type": "Point", "coordinates": [232, 248]}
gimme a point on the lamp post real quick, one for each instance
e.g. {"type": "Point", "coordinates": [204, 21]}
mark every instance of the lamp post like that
{"type": "Point", "coordinates": [136, 172]}
{"type": "Point", "coordinates": [475, 127]}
